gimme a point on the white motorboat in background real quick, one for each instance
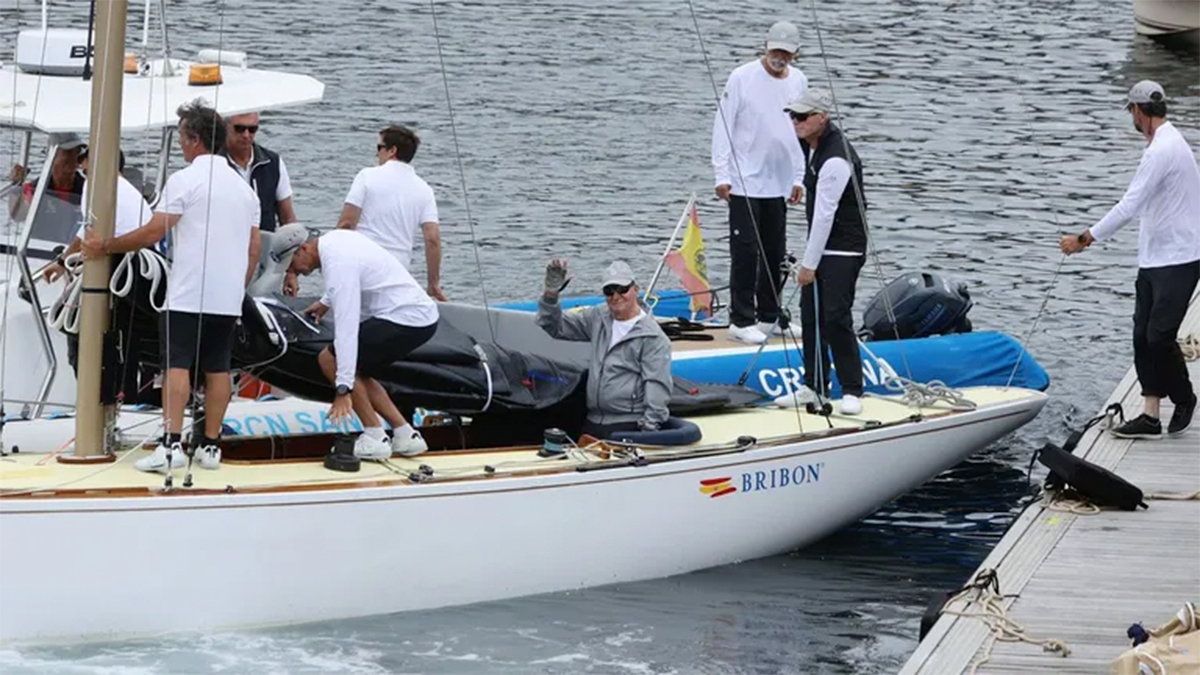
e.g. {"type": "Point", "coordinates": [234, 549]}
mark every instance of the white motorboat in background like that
{"type": "Point", "coordinates": [1174, 20]}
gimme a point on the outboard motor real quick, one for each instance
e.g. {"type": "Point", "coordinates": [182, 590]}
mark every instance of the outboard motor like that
{"type": "Point", "coordinates": [924, 304]}
{"type": "Point", "coordinates": [277, 250]}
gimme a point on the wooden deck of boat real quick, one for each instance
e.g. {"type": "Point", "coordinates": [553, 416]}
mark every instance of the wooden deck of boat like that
{"type": "Point", "coordinates": [720, 340]}
{"type": "Point", "coordinates": [1084, 579]}
{"type": "Point", "coordinates": [28, 473]}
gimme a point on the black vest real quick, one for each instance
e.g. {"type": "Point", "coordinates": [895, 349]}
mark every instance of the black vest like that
{"type": "Point", "coordinates": [848, 232]}
{"type": "Point", "coordinates": [264, 178]}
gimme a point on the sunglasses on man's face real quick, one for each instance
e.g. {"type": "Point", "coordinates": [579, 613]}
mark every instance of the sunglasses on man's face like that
{"type": "Point", "coordinates": [243, 128]}
{"type": "Point", "coordinates": [380, 147]}
{"type": "Point", "coordinates": [613, 289]}
{"type": "Point", "coordinates": [800, 117]}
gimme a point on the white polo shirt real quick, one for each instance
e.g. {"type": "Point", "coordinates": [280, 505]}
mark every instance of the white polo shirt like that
{"type": "Point", "coordinates": [1165, 192]}
{"type": "Point", "coordinates": [217, 212]}
{"type": "Point", "coordinates": [132, 209]}
{"type": "Point", "coordinates": [768, 154]}
{"type": "Point", "coordinates": [395, 201]}
{"type": "Point", "coordinates": [364, 281]}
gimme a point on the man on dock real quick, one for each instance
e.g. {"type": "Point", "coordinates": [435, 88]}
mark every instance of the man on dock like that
{"type": "Point", "coordinates": [1165, 193]}
{"type": "Point", "coordinates": [758, 167]}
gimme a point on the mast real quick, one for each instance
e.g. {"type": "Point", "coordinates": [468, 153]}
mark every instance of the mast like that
{"type": "Point", "coordinates": [93, 419]}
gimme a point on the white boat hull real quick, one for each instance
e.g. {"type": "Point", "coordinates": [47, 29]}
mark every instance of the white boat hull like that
{"type": "Point", "coordinates": [108, 567]}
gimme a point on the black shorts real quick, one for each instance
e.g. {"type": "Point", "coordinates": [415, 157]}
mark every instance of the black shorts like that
{"type": "Point", "coordinates": [190, 340]}
{"type": "Point", "coordinates": [381, 343]}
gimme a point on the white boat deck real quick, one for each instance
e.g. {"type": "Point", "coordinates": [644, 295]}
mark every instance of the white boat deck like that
{"type": "Point", "coordinates": [1083, 579]}
{"type": "Point", "coordinates": [40, 474]}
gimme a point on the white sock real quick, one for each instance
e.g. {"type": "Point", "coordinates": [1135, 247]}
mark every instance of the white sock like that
{"type": "Point", "coordinates": [375, 432]}
{"type": "Point", "coordinates": [406, 431]}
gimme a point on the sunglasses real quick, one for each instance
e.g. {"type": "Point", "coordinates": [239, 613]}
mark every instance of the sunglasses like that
{"type": "Point", "coordinates": [800, 117]}
{"type": "Point", "coordinates": [243, 128]}
{"type": "Point", "coordinates": [379, 147]}
{"type": "Point", "coordinates": [613, 289]}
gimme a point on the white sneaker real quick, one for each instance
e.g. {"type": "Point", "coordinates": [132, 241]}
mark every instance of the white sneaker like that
{"type": "Point", "coordinates": [800, 397]}
{"type": "Point", "coordinates": [792, 332]}
{"type": "Point", "coordinates": [748, 334]}
{"type": "Point", "coordinates": [367, 447]}
{"type": "Point", "coordinates": [850, 405]}
{"type": "Point", "coordinates": [411, 446]}
{"type": "Point", "coordinates": [157, 460]}
{"type": "Point", "coordinates": [209, 457]}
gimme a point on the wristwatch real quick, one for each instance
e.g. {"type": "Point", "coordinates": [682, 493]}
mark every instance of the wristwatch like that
{"type": "Point", "coordinates": [343, 390]}
{"type": "Point", "coordinates": [1083, 237]}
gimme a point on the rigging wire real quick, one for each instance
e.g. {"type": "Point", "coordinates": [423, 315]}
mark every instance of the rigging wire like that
{"type": "Point", "coordinates": [462, 175]}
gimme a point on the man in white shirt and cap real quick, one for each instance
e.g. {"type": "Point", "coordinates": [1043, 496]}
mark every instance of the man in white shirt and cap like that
{"type": "Point", "coordinates": [759, 167]}
{"type": "Point", "coordinates": [629, 377]}
{"type": "Point", "coordinates": [380, 315]}
{"type": "Point", "coordinates": [1165, 193]}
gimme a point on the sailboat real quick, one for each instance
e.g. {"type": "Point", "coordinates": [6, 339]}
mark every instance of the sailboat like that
{"type": "Point", "coordinates": [94, 549]}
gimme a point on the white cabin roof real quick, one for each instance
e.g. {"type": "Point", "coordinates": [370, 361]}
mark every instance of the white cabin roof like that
{"type": "Point", "coordinates": [55, 103]}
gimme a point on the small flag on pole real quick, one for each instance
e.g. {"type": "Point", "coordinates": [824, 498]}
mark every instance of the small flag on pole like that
{"type": "Point", "coordinates": [688, 263]}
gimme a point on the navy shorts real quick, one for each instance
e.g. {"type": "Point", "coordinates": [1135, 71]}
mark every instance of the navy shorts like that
{"type": "Point", "coordinates": [382, 343]}
{"type": "Point", "coordinates": [194, 340]}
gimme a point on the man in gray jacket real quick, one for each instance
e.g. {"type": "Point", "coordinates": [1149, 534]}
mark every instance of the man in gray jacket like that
{"type": "Point", "coordinates": [629, 378]}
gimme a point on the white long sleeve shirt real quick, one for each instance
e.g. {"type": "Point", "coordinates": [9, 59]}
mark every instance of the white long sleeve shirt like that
{"type": "Point", "coordinates": [1165, 192]}
{"type": "Point", "coordinates": [831, 184]}
{"type": "Point", "coordinates": [363, 281]}
{"type": "Point", "coordinates": [764, 144]}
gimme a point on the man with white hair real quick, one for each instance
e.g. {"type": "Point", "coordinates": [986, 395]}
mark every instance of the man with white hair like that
{"type": "Point", "coordinates": [1165, 194]}
{"type": "Point", "coordinates": [758, 166]}
{"type": "Point", "coordinates": [629, 378]}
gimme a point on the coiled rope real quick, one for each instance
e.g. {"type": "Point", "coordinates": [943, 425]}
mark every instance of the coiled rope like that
{"type": "Point", "coordinates": [64, 313]}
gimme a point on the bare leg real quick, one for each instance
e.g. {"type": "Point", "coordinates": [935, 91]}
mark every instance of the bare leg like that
{"type": "Point", "coordinates": [359, 397]}
{"type": "Point", "coordinates": [1150, 406]}
{"type": "Point", "coordinates": [382, 402]}
{"type": "Point", "coordinates": [175, 397]}
{"type": "Point", "coordinates": [218, 390]}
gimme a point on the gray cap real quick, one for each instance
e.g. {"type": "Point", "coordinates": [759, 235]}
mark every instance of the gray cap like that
{"type": "Point", "coordinates": [617, 274]}
{"type": "Point", "coordinates": [784, 35]}
{"type": "Point", "coordinates": [1146, 91]}
{"type": "Point", "coordinates": [813, 101]}
{"type": "Point", "coordinates": [66, 141]}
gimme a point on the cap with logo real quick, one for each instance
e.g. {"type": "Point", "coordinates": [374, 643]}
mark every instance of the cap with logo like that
{"type": "Point", "coordinates": [813, 101]}
{"type": "Point", "coordinates": [784, 35]}
{"type": "Point", "coordinates": [1146, 91]}
{"type": "Point", "coordinates": [617, 274]}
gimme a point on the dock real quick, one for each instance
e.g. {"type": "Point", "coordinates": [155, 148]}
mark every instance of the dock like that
{"type": "Point", "coordinates": [1083, 579]}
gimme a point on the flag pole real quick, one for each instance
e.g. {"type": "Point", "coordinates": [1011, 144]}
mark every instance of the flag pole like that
{"type": "Point", "coordinates": [662, 261]}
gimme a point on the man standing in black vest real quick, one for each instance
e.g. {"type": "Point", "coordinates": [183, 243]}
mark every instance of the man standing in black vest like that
{"type": "Point", "coordinates": [836, 250]}
{"type": "Point", "coordinates": [265, 171]}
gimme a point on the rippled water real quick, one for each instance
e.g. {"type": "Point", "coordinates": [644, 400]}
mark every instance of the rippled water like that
{"type": "Point", "coordinates": [986, 128]}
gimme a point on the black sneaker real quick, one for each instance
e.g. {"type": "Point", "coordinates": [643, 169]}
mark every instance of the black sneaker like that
{"type": "Point", "coordinates": [1182, 418]}
{"type": "Point", "coordinates": [1143, 426]}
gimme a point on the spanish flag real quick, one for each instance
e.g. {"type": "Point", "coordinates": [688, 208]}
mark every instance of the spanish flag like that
{"type": "Point", "coordinates": [688, 263]}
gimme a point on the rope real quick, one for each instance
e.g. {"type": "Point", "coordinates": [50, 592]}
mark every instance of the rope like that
{"type": "Point", "coordinates": [1070, 501]}
{"type": "Point", "coordinates": [462, 175]}
{"type": "Point", "coordinates": [64, 313]}
{"type": "Point", "coordinates": [924, 395]}
{"type": "Point", "coordinates": [984, 592]}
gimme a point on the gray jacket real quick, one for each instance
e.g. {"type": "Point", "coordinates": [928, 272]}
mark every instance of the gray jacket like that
{"type": "Point", "coordinates": [631, 382]}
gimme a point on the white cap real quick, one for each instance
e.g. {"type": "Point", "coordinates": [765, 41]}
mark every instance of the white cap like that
{"type": "Point", "coordinates": [784, 35]}
{"type": "Point", "coordinates": [813, 101]}
{"type": "Point", "coordinates": [617, 274]}
{"type": "Point", "coordinates": [1146, 91]}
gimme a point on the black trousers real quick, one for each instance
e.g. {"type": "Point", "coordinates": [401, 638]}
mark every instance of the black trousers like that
{"type": "Point", "coordinates": [833, 291]}
{"type": "Point", "coordinates": [1162, 300]}
{"type": "Point", "coordinates": [755, 282]}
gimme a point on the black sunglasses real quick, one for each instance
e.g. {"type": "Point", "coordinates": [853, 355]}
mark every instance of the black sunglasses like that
{"type": "Point", "coordinates": [381, 146]}
{"type": "Point", "coordinates": [800, 117]}
{"type": "Point", "coordinates": [613, 289]}
{"type": "Point", "coordinates": [243, 128]}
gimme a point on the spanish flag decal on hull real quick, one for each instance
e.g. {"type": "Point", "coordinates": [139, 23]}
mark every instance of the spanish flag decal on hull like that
{"type": "Point", "coordinates": [717, 487]}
